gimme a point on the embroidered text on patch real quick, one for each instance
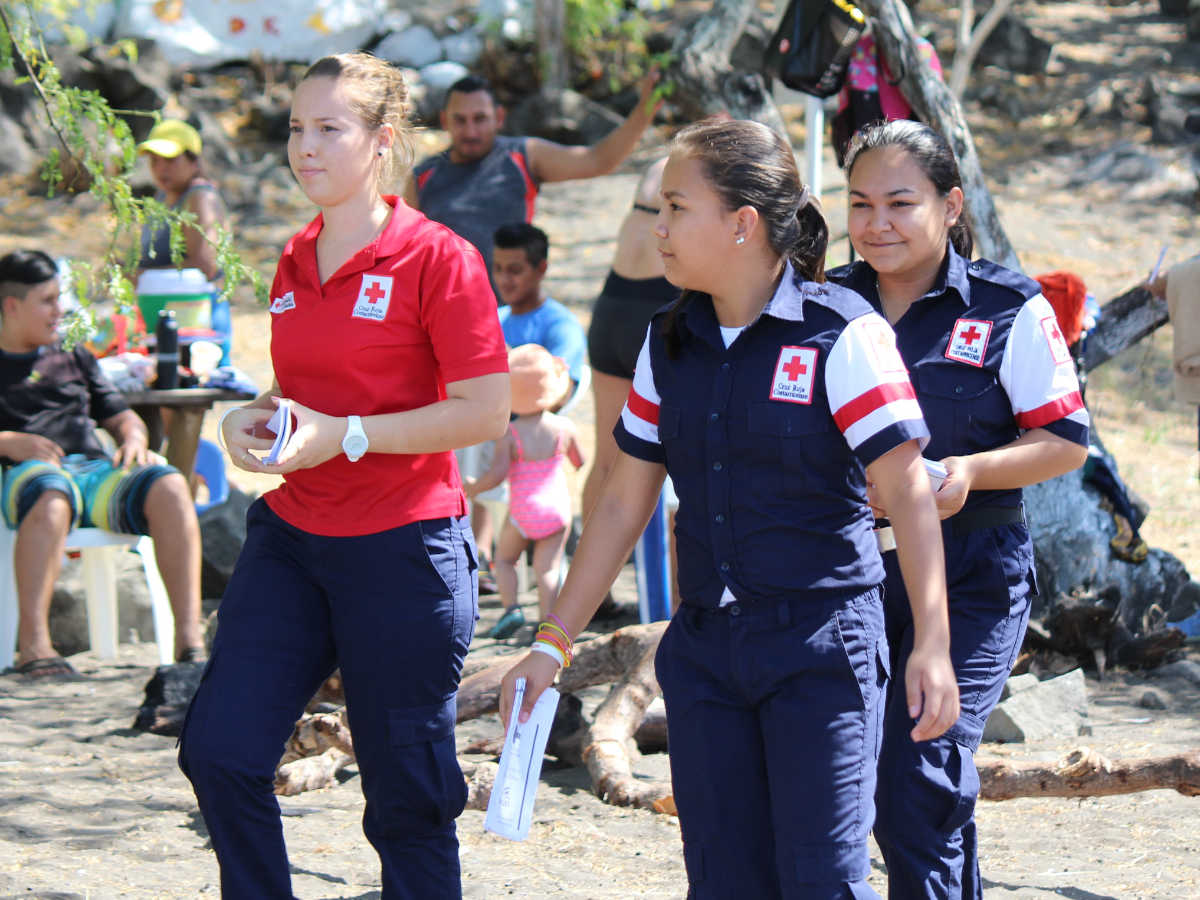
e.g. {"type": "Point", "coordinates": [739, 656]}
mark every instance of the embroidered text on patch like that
{"type": "Point", "coordinates": [795, 372]}
{"type": "Point", "coordinates": [284, 303]}
{"type": "Point", "coordinates": [374, 295]}
{"type": "Point", "coordinates": [969, 340]}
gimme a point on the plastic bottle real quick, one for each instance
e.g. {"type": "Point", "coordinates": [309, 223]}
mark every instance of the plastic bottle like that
{"type": "Point", "coordinates": [166, 338]}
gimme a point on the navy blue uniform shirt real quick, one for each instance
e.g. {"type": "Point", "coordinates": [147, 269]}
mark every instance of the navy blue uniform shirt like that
{"type": "Point", "coordinates": [986, 358]}
{"type": "Point", "coordinates": [766, 441]}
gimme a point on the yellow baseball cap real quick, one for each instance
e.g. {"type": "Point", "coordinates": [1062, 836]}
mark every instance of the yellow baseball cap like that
{"type": "Point", "coordinates": [169, 138]}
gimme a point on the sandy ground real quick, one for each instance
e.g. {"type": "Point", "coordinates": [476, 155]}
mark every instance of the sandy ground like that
{"type": "Point", "coordinates": [90, 808]}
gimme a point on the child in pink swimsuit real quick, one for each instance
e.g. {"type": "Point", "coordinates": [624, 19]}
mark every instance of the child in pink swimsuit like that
{"type": "Point", "coordinates": [530, 456]}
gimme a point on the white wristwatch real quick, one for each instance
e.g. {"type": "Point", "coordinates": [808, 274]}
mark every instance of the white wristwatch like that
{"type": "Point", "coordinates": [354, 444]}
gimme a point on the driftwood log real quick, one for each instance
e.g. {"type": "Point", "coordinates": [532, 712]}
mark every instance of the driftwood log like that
{"type": "Point", "coordinates": [319, 748]}
{"type": "Point", "coordinates": [609, 749]}
{"type": "Point", "coordinates": [1083, 773]}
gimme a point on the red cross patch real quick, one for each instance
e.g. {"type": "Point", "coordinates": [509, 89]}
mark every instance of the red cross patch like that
{"type": "Point", "coordinates": [795, 372]}
{"type": "Point", "coordinates": [374, 295]}
{"type": "Point", "coordinates": [968, 341]}
{"type": "Point", "coordinates": [1059, 351]}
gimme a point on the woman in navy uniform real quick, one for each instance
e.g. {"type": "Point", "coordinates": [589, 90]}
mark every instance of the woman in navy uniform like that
{"type": "Point", "coordinates": [770, 397]}
{"type": "Point", "coordinates": [998, 389]}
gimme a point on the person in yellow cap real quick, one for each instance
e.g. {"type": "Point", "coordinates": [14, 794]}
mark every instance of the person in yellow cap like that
{"type": "Point", "coordinates": [173, 150]}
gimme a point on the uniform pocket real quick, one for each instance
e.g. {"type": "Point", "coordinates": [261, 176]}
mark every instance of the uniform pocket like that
{"type": "Point", "coordinates": [790, 441]}
{"type": "Point", "coordinates": [427, 785]}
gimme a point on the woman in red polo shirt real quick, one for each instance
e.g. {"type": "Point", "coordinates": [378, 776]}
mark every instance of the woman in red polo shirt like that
{"type": "Point", "coordinates": [384, 337]}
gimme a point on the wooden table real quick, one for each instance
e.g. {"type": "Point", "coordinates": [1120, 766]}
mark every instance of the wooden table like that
{"type": "Point", "coordinates": [187, 406]}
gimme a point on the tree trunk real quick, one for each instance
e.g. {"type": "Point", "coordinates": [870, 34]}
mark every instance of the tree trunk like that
{"type": "Point", "coordinates": [934, 103]}
{"type": "Point", "coordinates": [705, 82]}
{"type": "Point", "coordinates": [551, 16]}
{"type": "Point", "coordinates": [1083, 773]}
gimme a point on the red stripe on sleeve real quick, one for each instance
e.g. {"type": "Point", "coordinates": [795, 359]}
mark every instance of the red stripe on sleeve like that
{"type": "Point", "coordinates": [424, 177]}
{"type": "Point", "coordinates": [531, 190]}
{"type": "Point", "coordinates": [1051, 412]}
{"type": "Point", "coordinates": [876, 398]}
{"type": "Point", "coordinates": [642, 408]}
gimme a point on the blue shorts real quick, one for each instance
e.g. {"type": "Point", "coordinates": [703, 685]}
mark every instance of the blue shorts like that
{"type": "Point", "coordinates": [101, 495]}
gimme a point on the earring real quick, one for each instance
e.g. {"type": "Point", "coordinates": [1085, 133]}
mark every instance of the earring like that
{"type": "Point", "coordinates": [740, 240]}
{"type": "Point", "coordinates": [379, 153]}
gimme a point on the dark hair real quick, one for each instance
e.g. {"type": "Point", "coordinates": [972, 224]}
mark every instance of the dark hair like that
{"type": "Point", "coordinates": [377, 94]}
{"type": "Point", "coordinates": [521, 235]}
{"type": "Point", "coordinates": [929, 150]}
{"type": "Point", "coordinates": [23, 269]}
{"type": "Point", "coordinates": [469, 84]}
{"type": "Point", "coordinates": [749, 164]}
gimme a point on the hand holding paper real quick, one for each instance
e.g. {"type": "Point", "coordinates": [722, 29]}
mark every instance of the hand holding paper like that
{"type": "Point", "coordinates": [510, 808]}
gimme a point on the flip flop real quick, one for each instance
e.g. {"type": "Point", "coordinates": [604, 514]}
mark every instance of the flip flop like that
{"type": "Point", "coordinates": [52, 667]}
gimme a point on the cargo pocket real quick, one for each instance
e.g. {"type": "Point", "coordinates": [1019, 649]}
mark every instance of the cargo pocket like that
{"type": "Point", "coordinates": [427, 786]}
{"type": "Point", "coordinates": [960, 769]}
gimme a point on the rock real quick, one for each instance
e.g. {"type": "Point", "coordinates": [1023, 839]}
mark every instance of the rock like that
{"type": "Point", "coordinates": [511, 18]}
{"type": "Point", "coordinates": [168, 693]}
{"type": "Point", "coordinates": [463, 48]}
{"type": "Point", "coordinates": [437, 79]}
{"type": "Point", "coordinates": [16, 155]}
{"type": "Point", "coordinates": [1184, 668]}
{"type": "Point", "coordinates": [1152, 698]}
{"type": "Point", "coordinates": [566, 117]}
{"type": "Point", "coordinates": [222, 533]}
{"type": "Point", "coordinates": [1056, 708]}
{"type": "Point", "coordinates": [414, 47]}
{"type": "Point", "coordinates": [1014, 47]}
{"type": "Point", "coordinates": [68, 606]}
{"type": "Point", "coordinates": [1018, 683]}
{"type": "Point", "coordinates": [1172, 110]}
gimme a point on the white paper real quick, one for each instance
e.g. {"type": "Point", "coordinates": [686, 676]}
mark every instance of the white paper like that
{"type": "Point", "coordinates": [510, 808]}
{"type": "Point", "coordinates": [281, 425]}
{"type": "Point", "coordinates": [936, 472]}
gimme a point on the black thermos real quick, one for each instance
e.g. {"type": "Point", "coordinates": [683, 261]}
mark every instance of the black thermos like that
{"type": "Point", "coordinates": [167, 349]}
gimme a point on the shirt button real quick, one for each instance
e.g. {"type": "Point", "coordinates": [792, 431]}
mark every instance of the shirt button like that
{"type": "Point", "coordinates": [724, 567]}
{"type": "Point", "coordinates": [713, 416]}
{"type": "Point", "coordinates": [958, 389]}
{"type": "Point", "coordinates": [734, 609]}
{"type": "Point", "coordinates": [719, 518]}
{"type": "Point", "coordinates": [724, 367]}
{"type": "Point", "coordinates": [717, 466]}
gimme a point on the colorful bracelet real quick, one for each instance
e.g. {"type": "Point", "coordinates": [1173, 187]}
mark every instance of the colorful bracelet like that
{"type": "Point", "coordinates": [551, 628]}
{"type": "Point", "coordinates": [559, 622]}
{"type": "Point", "coordinates": [554, 639]}
{"type": "Point", "coordinates": [551, 651]}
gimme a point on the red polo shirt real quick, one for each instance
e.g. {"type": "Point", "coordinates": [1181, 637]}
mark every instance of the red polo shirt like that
{"type": "Point", "coordinates": [403, 317]}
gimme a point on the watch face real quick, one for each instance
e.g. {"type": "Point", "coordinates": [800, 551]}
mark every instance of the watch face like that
{"type": "Point", "coordinates": [355, 445]}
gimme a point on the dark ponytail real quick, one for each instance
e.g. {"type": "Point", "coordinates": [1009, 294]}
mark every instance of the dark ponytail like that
{"type": "Point", "coordinates": [932, 154]}
{"type": "Point", "coordinates": [748, 164]}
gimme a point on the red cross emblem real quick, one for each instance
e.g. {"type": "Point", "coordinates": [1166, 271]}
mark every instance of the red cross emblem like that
{"type": "Point", "coordinates": [1059, 351]}
{"type": "Point", "coordinates": [968, 341]}
{"type": "Point", "coordinates": [795, 371]}
{"type": "Point", "coordinates": [375, 292]}
{"type": "Point", "coordinates": [972, 335]}
{"type": "Point", "coordinates": [374, 297]}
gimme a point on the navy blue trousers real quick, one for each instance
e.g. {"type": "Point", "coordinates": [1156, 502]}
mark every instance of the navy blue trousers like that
{"type": "Point", "coordinates": [774, 717]}
{"type": "Point", "coordinates": [395, 611]}
{"type": "Point", "coordinates": [925, 826]}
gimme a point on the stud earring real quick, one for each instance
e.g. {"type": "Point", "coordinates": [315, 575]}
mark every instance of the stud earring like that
{"type": "Point", "coordinates": [379, 153]}
{"type": "Point", "coordinates": [740, 240]}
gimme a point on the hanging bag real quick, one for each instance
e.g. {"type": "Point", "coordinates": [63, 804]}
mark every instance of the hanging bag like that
{"type": "Point", "coordinates": [821, 35]}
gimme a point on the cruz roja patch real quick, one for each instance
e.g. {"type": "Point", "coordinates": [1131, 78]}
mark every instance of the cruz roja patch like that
{"type": "Point", "coordinates": [374, 295]}
{"type": "Point", "coordinates": [795, 372]}
{"type": "Point", "coordinates": [284, 303]}
{"type": "Point", "coordinates": [969, 340]}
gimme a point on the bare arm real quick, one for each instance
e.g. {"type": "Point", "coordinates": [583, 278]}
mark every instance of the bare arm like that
{"type": "Point", "coordinates": [931, 687]}
{"type": "Point", "coordinates": [201, 238]}
{"type": "Point", "coordinates": [497, 471]}
{"type": "Point", "coordinates": [475, 410]}
{"type": "Point", "coordinates": [558, 162]}
{"type": "Point", "coordinates": [131, 435]}
{"type": "Point", "coordinates": [1036, 456]}
{"type": "Point", "coordinates": [617, 520]}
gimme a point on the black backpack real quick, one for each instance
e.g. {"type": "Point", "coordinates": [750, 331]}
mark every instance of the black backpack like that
{"type": "Point", "coordinates": [821, 35]}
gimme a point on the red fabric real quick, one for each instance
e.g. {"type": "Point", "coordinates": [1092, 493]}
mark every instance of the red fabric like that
{"type": "Point", "coordinates": [440, 326]}
{"type": "Point", "coordinates": [1067, 295]}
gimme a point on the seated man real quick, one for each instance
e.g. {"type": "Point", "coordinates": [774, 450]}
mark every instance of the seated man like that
{"type": "Point", "coordinates": [57, 475]}
{"type": "Point", "coordinates": [519, 260]}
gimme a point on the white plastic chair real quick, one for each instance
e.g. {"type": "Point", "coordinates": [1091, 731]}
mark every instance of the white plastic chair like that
{"type": "Point", "coordinates": [98, 550]}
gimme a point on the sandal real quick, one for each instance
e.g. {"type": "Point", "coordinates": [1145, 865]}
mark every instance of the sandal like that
{"type": "Point", "coordinates": [54, 668]}
{"type": "Point", "coordinates": [509, 624]}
